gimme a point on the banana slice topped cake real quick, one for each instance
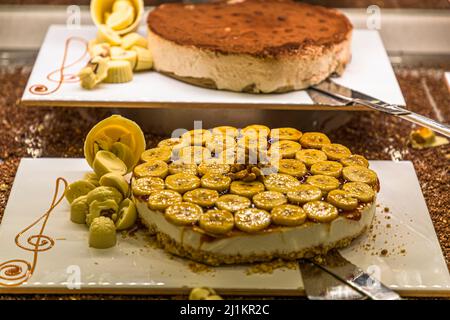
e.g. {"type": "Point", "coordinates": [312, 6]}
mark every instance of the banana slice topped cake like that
{"type": "Point", "coordinates": [228, 196]}
{"type": "Point", "coordinates": [249, 45]}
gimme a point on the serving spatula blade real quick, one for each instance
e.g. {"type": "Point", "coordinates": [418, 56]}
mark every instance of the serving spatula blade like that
{"type": "Point", "coordinates": [349, 274]}
{"type": "Point", "coordinates": [345, 96]}
{"type": "Point", "coordinates": [320, 285]}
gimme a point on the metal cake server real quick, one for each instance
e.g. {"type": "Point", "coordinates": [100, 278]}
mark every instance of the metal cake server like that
{"type": "Point", "coordinates": [342, 96]}
{"type": "Point", "coordinates": [320, 285]}
{"type": "Point", "coordinates": [350, 281]}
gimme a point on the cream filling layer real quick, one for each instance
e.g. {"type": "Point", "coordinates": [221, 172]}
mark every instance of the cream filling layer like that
{"type": "Point", "coordinates": [237, 72]}
{"type": "Point", "coordinates": [282, 240]}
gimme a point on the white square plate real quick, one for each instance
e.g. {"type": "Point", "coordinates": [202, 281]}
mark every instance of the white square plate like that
{"type": "Point", "coordinates": [369, 71]}
{"type": "Point", "coordinates": [414, 264]}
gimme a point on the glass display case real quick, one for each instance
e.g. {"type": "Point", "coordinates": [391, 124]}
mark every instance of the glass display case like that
{"type": "Point", "coordinates": [371, 76]}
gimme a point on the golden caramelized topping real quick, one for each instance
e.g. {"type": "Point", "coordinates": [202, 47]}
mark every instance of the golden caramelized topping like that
{"type": "Point", "coordinates": [227, 179]}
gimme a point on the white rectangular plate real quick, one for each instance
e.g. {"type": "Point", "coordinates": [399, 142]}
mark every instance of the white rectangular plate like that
{"type": "Point", "coordinates": [134, 267]}
{"type": "Point", "coordinates": [369, 71]}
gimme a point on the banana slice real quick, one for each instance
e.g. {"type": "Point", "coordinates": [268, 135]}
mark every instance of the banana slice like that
{"type": "Point", "coordinates": [160, 200]}
{"type": "Point", "coordinates": [355, 160]}
{"type": "Point", "coordinates": [126, 215]}
{"type": "Point", "coordinates": [232, 202]}
{"type": "Point", "coordinates": [288, 215]}
{"type": "Point", "coordinates": [117, 181]}
{"type": "Point", "coordinates": [173, 143]}
{"type": "Point", "coordinates": [256, 130]}
{"type": "Point", "coordinates": [194, 154]}
{"type": "Point", "coordinates": [111, 130]}
{"type": "Point", "coordinates": [184, 213]}
{"type": "Point", "coordinates": [159, 153]}
{"type": "Point", "coordinates": [79, 210]}
{"type": "Point", "coordinates": [360, 190]}
{"type": "Point", "coordinates": [153, 168]}
{"type": "Point", "coordinates": [144, 59]}
{"type": "Point", "coordinates": [182, 182]}
{"type": "Point", "coordinates": [335, 151]}
{"type": "Point", "coordinates": [213, 166]}
{"type": "Point", "coordinates": [285, 134]}
{"type": "Point", "coordinates": [268, 200]}
{"type": "Point", "coordinates": [119, 71]}
{"type": "Point", "coordinates": [253, 143]}
{"type": "Point", "coordinates": [179, 167]}
{"type": "Point", "coordinates": [305, 193]}
{"type": "Point", "coordinates": [77, 189]}
{"type": "Point", "coordinates": [283, 183]}
{"type": "Point", "coordinates": [320, 211]}
{"type": "Point", "coordinates": [98, 49]}
{"type": "Point", "coordinates": [285, 148]}
{"type": "Point", "coordinates": [123, 152]}
{"type": "Point", "coordinates": [310, 156]}
{"type": "Point", "coordinates": [324, 183]}
{"type": "Point", "coordinates": [292, 167]}
{"type": "Point", "coordinates": [134, 39]}
{"type": "Point", "coordinates": [106, 162]}
{"type": "Point", "coordinates": [121, 19]}
{"type": "Point", "coordinates": [327, 168]}
{"type": "Point", "coordinates": [202, 197]}
{"type": "Point", "coordinates": [252, 219]}
{"type": "Point", "coordinates": [197, 137]}
{"type": "Point", "coordinates": [145, 186]}
{"type": "Point", "coordinates": [106, 34]}
{"type": "Point", "coordinates": [252, 155]}
{"type": "Point", "coordinates": [342, 199]}
{"type": "Point", "coordinates": [360, 174]}
{"type": "Point", "coordinates": [121, 5]}
{"type": "Point", "coordinates": [127, 55]}
{"type": "Point", "coordinates": [219, 143]}
{"type": "Point", "coordinates": [102, 194]}
{"type": "Point", "coordinates": [217, 221]}
{"type": "Point", "coordinates": [215, 181]}
{"type": "Point", "coordinates": [225, 130]}
{"type": "Point", "coordinates": [228, 156]}
{"type": "Point", "coordinates": [315, 140]}
{"type": "Point", "coordinates": [246, 189]}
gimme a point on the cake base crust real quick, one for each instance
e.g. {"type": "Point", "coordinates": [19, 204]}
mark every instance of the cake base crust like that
{"type": "Point", "coordinates": [184, 251]}
{"type": "Point", "coordinates": [271, 245]}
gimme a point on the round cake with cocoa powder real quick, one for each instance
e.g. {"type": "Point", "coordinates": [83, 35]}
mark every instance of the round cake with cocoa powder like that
{"type": "Point", "coordinates": [255, 46]}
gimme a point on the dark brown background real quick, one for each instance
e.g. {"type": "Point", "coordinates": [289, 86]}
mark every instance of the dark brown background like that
{"type": "Point", "coordinates": [423, 4]}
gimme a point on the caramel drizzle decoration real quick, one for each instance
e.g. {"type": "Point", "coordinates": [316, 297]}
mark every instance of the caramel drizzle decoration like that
{"type": "Point", "coordinates": [16, 271]}
{"type": "Point", "coordinates": [42, 89]}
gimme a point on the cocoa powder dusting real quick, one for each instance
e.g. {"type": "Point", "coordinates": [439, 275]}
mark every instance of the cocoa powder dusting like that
{"type": "Point", "coordinates": [249, 27]}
